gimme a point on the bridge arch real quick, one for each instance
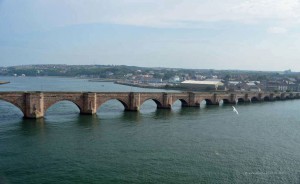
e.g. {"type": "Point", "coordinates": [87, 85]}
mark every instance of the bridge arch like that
{"type": "Point", "coordinates": [224, 101]}
{"type": "Point", "coordinates": [267, 98]}
{"type": "Point", "coordinates": [287, 97]}
{"type": "Point", "coordinates": [290, 96]}
{"type": "Point", "coordinates": [125, 105]}
{"type": "Point", "coordinates": [111, 107]}
{"type": "Point", "coordinates": [11, 103]}
{"type": "Point", "coordinates": [149, 105]}
{"type": "Point", "coordinates": [208, 101]}
{"type": "Point", "coordinates": [254, 99]}
{"type": "Point", "coordinates": [283, 96]}
{"type": "Point", "coordinates": [277, 98]}
{"type": "Point", "coordinates": [241, 100]}
{"type": "Point", "coordinates": [49, 105]}
{"type": "Point", "coordinates": [184, 102]}
{"type": "Point", "coordinates": [156, 101]}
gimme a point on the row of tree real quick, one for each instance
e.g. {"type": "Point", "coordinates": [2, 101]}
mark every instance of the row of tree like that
{"type": "Point", "coordinates": [119, 71]}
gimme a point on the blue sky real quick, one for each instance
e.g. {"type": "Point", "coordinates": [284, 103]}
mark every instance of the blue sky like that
{"type": "Point", "coordinates": [217, 34]}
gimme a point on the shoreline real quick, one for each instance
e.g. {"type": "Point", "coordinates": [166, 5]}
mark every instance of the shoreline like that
{"type": "Point", "coordinates": [149, 86]}
{"type": "Point", "coordinates": [102, 80]}
{"type": "Point", "coordinates": [166, 87]}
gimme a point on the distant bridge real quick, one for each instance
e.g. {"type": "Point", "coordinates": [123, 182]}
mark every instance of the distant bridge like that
{"type": "Point", "coordinates": [35, 104]}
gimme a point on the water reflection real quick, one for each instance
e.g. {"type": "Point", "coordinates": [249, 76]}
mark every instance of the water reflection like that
{"type": "Point", "coordinates": [210, 107]}
{"type": "Point", "coordinates": [162, 114]}
{"type": "Point", "coordinates": [189, 111]}
{"type": "Point", "coordinates": [88, 121]}
{"type": "Point", "coordinates": [131, 117]}
{"type": "Point", "coordinates": [3, 179]}
{"type": "Point", "coordinates": [33, 127]}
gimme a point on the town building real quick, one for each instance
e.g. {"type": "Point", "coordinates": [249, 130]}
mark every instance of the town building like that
{"type": "Point", "coordinates": [202, 85]}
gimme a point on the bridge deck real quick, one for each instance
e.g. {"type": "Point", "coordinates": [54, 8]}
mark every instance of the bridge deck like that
{"type": "Point", "coordinates": [34, 104]}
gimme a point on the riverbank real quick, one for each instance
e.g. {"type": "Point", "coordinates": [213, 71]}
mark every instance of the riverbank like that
{"type": "Point", "coordinates": [102, 80]}
{"type": "Point", "coordinates": [152, 86]}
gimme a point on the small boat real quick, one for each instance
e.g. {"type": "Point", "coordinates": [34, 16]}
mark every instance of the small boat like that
{"type": "Point", "coordinates": [4, 82]}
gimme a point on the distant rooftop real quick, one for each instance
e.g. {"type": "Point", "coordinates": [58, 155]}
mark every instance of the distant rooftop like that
{"type": "Point", "coordinates": [217, 80]}
{"type": "Point", "coordinates": [202, 82]}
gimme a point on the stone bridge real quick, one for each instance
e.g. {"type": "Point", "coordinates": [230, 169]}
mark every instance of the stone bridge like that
{"type": "Point", "coordinates": [35, 104]}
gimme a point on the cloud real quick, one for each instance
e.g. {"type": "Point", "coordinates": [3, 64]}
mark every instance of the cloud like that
{"type": "Point", "coordinates": [151, 13]}
{"type": "Point", "coordinates": [277, 30]}
{"type": "Point", "coordinates": [175, 13]}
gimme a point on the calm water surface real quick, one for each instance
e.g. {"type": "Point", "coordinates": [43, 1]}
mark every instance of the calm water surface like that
{"type": "Point", "coordinates": [182, 145]}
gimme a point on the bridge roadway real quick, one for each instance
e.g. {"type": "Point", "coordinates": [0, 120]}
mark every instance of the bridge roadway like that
{"type": "Point", "coordinates": [35, 104]}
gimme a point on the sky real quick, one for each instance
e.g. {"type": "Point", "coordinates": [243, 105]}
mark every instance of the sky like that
{"type": "Point", "coordinates": [197, 34]}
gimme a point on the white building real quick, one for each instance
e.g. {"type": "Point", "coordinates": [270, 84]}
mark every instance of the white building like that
{"type": "Point", "coordinates": [202, 85]}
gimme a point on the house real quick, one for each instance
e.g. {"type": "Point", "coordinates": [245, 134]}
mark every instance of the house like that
{"type": "Point", "coordinates": [175, 79]}
{"type": "Point", "coordinates": [276, 86]}
{"type": "Point", "coordinates": [252, 86]}
{"type": "Point", "coordinates": [232, 85]}
{"type": "Point", "coordinates": [292, 84]}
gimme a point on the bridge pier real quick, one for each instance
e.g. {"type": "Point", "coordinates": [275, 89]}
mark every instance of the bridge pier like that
{"type": "Point", "coordinates": [233, 99]}
{"type": "Point", "coordinates": [272, 97]}
{"type": "Point", "coordinates": [133, 102]}
{"type": "Point", "coordinates": [34, 105]}
{"type": "Point", "coordinates": [167, 100]}
{"type": "Point", "coordinates": [89, 103]}
{"type": "Point", "coordinates": [192, 101]}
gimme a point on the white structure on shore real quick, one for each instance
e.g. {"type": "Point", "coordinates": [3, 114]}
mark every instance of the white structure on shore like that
{"type": "Point", "coordinates": [203, 85]}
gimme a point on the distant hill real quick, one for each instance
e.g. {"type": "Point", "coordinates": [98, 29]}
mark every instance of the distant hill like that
{"type": "Point", "coordinates": [121, 71]}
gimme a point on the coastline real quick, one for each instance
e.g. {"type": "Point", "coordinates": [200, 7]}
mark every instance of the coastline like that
{"type": "Point", "coordinates": [102, 80]}
{"type": "Point", "coordinates": [166, 87]}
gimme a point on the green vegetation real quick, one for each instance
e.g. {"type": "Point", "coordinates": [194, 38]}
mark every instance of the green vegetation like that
{"type": "Point", "coordinates": [123, 72]}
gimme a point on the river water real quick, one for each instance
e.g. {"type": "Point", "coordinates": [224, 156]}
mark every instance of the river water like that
{"type": "Point", "coordinates": [183, 145]}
